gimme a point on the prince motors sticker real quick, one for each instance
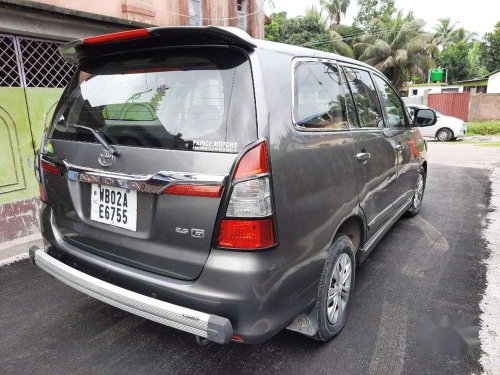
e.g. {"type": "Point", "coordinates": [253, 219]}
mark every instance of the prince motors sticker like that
{"type": "Point", "coordinates": [215, 146]}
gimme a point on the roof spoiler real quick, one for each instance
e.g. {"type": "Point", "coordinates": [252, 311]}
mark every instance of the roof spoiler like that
{"type": "Point", "coordinates": [77, 50]}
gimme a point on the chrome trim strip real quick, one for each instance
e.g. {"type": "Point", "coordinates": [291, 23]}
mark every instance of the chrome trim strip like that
{"type": "Point", "coordinates": [153, 183]}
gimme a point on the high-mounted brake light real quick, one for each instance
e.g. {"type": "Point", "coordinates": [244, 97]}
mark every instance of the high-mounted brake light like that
{"type": "Point", "coordinates": [249, 218]}
{"type": "Point", "coordinates": [115, 37]}
{"type": "Point", "coordinates": [210, 191]}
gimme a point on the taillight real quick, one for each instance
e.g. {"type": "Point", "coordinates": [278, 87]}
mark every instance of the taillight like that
{"type": "Point", "coordinates": [43, 193]}
{"type": "Point", "coordinates": [115, 37]}
{"type": "Point", "coordinates": [49, 167]}
{"type": "Point", "coordinates": [210, 191]}
{"type": "Point", "coordinates": [249, 219]}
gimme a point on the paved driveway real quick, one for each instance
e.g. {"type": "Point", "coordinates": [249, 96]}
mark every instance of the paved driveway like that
{"type": "Point", "coordinates": [428, 265]}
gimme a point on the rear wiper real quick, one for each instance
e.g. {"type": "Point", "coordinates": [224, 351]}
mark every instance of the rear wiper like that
{"type": "Point", "coordinates": [99, 137]}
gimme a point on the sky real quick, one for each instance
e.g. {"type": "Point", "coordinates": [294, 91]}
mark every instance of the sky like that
{"type": "Point", "coordinates": [479, 16]}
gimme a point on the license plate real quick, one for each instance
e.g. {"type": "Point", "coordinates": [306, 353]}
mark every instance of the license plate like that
{"type": "Point", "coordinates": [114, 206]}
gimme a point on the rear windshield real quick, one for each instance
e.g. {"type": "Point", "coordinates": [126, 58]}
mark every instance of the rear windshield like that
{"type": "Point", "coordinates": [182, 99]}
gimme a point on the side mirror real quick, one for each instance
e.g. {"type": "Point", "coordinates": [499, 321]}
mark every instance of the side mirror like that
{"type": "Point", "coordinates": [424, 117]}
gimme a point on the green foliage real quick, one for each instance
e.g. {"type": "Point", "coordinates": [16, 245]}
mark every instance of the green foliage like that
{"type": "Point", "coordinates": [443, 32]}
{"type": "Point", "coordinates": [372, 9]}
{"type": "Point", "coordinates": [455, 58]}
{"type": "Point", "coordinates": [484, 128]}
{"type": "Point", "coordinates": [398, 47]}
{"type": "Point", "coordinates": [490, 50]}
{"type": "Point", "coordinates": [335, 9]}
{"type": "Point", "coordinates": [308, 31]}
{"type": "Point", "coordinates": [477, 70]}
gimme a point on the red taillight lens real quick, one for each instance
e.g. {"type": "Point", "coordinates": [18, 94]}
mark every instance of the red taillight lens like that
{"type": "Point", "coordinates": [49, 167]}
{"type": "Point", "coordinates": [254, 162]}
{"type": "Point", "coordinates": [115, 37]}
{"type": "Point", "coordinates": [210, 191]}
{"type": "Point", "coordinates": [246, 234]}
{"type": "Point", "coordinates": [43, 194]}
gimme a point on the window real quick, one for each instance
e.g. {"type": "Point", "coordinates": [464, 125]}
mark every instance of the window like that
{"type": "Point", "coordinates": [390, 100]}
{"type": "Point", "coordinates": [318, 97]}
{"type": "Point", "coordinates": [414, 92]}
{"type": "Point", "coordinates": [365, 98]}
{"type": "Point", "coordinates": [195, 12]}
{"type": "Point", "coordinates": [241, 8]}
{"type": "Point", "coordinates": [175, 99]}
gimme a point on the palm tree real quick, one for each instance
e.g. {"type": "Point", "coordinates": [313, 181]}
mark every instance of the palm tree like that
{"type": "Point", "coordinates": [398, 47]}
{"type": "Point", "coordinates": [463, 35]}
{"type": "Point", "coordinates": [335, 9]}
{"type": "Point", "coordinates": [443, 32]}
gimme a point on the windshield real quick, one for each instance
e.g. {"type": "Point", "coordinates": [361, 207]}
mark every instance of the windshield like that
{"type": "Point", "coordinates": [172, 99]}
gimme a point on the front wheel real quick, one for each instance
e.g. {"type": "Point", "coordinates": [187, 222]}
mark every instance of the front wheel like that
{"type": "Point", "coordinates": [418, 195]}
{"type": "Point", "coordinates": [336, 285]}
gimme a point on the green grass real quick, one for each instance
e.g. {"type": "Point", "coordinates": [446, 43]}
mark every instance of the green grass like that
{"type": "Point", "coordinates": [483, 128]}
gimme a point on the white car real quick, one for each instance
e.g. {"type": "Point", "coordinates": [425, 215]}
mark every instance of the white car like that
{"type": "Point", "coordinates": [445, 129]}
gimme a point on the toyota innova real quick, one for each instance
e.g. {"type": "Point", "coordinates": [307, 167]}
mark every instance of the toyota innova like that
{"type": "Point", "coordinates": [222, 185]}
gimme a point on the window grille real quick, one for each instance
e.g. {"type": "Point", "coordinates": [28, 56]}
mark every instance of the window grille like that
{"type": "Point", "coordinates": [242, 14]}
{"type": "Point", "coordinates": [9, 68]}
{"type": "Point", "coordinates": [195, 12]}
{"type": "Point", "coordinates": [42, 64]}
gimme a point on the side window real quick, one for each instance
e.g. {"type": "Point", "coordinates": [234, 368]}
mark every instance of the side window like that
{"type": "Point", "coordinates": [390, 100]}
{"type": "Point", "coordinates": [351, 107]}
{"type": "Point", "coordinates": [318, 95]}
{"type": "Point", "coordinates": [365, 98]}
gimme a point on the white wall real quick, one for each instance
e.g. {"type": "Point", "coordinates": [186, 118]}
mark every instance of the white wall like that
{"type": "Point", "coordinates": [494, 84]}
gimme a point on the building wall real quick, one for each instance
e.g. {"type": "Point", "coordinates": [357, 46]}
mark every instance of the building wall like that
{"type": "Point", "coordinates": [484, 107]}
{"type": "Point", "coordinates": [494, 84]}
{"type": "Point", "coordinates": [173, 12]}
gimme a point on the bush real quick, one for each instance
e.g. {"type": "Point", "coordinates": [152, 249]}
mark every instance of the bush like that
{"type": "Point", "coordinates": [484, 128]}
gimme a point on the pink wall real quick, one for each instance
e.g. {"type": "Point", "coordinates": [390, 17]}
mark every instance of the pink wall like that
{"type": "Point", "coordinates": [170, 12]}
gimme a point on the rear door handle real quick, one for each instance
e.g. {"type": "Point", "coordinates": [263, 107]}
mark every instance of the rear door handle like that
{"type": "Point", "coordinates": [363, 156]}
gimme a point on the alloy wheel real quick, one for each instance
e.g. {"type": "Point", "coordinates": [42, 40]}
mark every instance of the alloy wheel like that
{"type": "Point", "coordinates": [340, 287]}
{"type": "Point", "coordinates": [419, 191]}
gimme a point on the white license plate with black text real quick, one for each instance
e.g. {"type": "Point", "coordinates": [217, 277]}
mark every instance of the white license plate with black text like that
{"type": "Point", "coordinates": [114, 206]}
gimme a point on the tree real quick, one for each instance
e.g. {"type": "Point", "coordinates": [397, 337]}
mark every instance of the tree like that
{"type": "Point", "coordinates": [463, 35]}
{"type": "Point", "coordinates": [477, 70]}
{"type": "Point", "coordinates": [443, 32]}
{"type": "Point", "coordinates": [335, 9]}
{"type": "Point", "coordinates": [307, 31]}
{"type": "Point", "coordinates": [398, 47]}
{"type": "Point", "coordinates": [489, 54]}
{"type": "Point", "coordinates": [455, 58]}
{"type": "Point", "coordinates": [372, 9]}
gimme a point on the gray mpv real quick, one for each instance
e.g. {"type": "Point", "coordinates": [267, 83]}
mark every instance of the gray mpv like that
{"type": "Point", "coordinates": [222, 185]}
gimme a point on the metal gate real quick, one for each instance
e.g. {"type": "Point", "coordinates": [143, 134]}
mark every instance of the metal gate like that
{"type": "Point", "coordinates": [32, 62]}
{"type": "Point", "coordinates": [32, 77]}
{"type": "Point", "coordinates": [454, 104]}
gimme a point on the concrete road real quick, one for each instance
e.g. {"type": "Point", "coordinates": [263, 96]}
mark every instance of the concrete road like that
{"type": "Point", "coordinates": [430, 265]}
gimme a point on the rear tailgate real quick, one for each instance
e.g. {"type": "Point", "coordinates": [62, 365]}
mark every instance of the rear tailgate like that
{"type": "Point", "coordinates": [176, 116]}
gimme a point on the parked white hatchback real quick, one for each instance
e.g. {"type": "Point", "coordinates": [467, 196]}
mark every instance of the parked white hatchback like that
{"type": "Point", "coordinates": [445, 129]}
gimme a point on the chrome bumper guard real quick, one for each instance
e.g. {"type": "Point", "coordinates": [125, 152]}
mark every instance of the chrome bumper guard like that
{"type": "Point", "coordinates": [212, 327]}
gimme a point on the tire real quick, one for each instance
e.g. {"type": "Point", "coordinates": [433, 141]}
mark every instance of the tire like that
{"type": "Point", "coordinates": [416, 201]}
{"type": "Point", "coordinates": [340, 258]}
{"type": "Point", "coordinates": [444, 135]}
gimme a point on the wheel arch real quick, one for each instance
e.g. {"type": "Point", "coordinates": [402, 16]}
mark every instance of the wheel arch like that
{"type": "Point", "coordinates": [354, 228]}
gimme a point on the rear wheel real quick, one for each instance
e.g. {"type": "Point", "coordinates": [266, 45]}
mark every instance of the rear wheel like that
{"type": "Point", "coordinates": [336, 285]}
{"type": "Point", "coordinates": [444, 135]}
{"type": "Point", "coordinates": [418, 196]}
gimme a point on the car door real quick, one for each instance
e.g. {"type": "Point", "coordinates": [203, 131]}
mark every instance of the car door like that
{"type": "Point", "coordinates": [406, 141]}
{"type": "Point", "coordinates": [374, 148]}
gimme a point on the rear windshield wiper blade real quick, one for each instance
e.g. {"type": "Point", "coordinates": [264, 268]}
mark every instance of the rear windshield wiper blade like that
{"type": "Point", "coordinates": [99, 137]}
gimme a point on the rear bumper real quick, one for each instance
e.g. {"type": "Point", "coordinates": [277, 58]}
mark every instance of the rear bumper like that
{"type": "Point", "coordinates": [212, 327]}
